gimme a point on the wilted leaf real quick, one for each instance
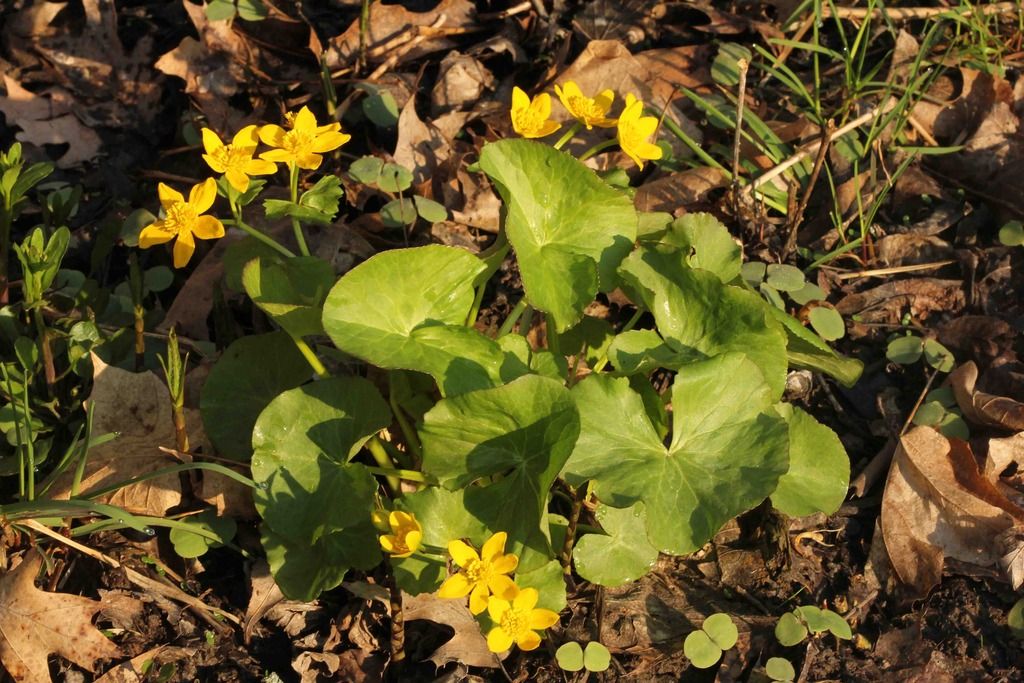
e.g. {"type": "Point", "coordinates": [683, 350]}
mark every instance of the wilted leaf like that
{"type": "Point", "coordinates": [983, 408]}
{"type": "Point", "coordinates": [468, 646]}
{"type": "Point", "coordinates": [40, 125]}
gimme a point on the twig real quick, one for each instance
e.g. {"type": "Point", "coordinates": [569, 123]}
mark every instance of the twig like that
{"type": "Point", "coordinates": [505, 13]}
{"type": "Point", "coordinates": [397, 663]}
{"type": "Point", "coordinates": [879, 272]}
{"type": "Point", "coordinates": [743, 65]}
{"type": "Point", "coordinates": [805, 670]}
{"type": "Point", "coordinates": [419, 35]}
{"type": "Point", "coordinates": [904, 13]}
{"type": "Point", "coordinates": [794, 220]}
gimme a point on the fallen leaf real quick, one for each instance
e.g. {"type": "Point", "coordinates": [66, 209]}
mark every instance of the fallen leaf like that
{"type": "Point", "coordinates": [978, 337]}
{"type": "Point", "coordinates": [421, 147]}
{"type": "Point", "coordinates": [468, 645]}
{"type": "Point", "coordinates": [910, 249]}
{"type": "Point", "coordinates": [35, 624]}
{"type": "Point", "coordinates": [263, 595]}
{"type": "Point", "coordinates": [887, 303]}
{"type": "Point", "coordinates": [672, 192]}
{"type": "Point", "coordinates": [462, 81]}
{"type": "Point", "coordinates": [135, 669]}
{"type": "Point", "coordinates": [937, 504]}
{"type": "Point", "coordinates": [49, 121]}
{"type": "Point", "coordinates": [983, 408]}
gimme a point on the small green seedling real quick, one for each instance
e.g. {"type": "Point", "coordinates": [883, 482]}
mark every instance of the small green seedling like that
{"type": "Point", "coordinates": [909, 349]}
{"type": "Point", "coordinates": [1012, 234]}
{"type": "Point", "coordinates": [573, 657]}
{"type": "Point", "coordinates": [793, 627]}
{"type": "Point", "coordinates": [939, 410]}
{"type": "Point", "coordinates": [1015, 619]}
{"type": "Point", "coordinates": [704, 647]}
{"type": "Point", "coordinates": [780, 670]}
{"type": "Point", "coordinates": [208, 528]}
{"type": "Point", "coordinates": [773, 280]}
{"type": "Point", "coordinates": [225, 10]}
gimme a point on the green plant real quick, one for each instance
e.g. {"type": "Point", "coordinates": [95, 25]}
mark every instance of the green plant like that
{"type": "Point", "coordinates": [909, 348]}
{"type": "Point", "coordinates": [779, 669]}
{"type": "Point", "coordinates": [572, 656]}
{"type": "Point", "coordinates": [704, 647]}
{"type": "Point", "coordinates": [226, 10]}
{"type": "Point", "coordinates": [793, 627]}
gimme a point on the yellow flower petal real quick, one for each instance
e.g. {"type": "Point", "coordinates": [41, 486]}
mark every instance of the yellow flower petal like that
{"type": "Point", "coordinates": [304, 120]}
{"type": "Point", "coordinates": [494, 546]}
{"type": "Point", "coordinates": [260, 167]}
{"type": "Point", "coordinates": [520, 100]}
{"type": "Point", "coordinates": [462, 554]}
{"type": "Point", "coordinates": [279, 156]}
{"type": "Point", "coordinates": [212, 162]}
{"type": "Point", "coordinates": [496, 608]}
{"type": "Point", "coordinates": [154, 234]}
{"type": "Point", "coordinates": [184, 247]}
{"type": "Point", "coordinates": [380, 520]}
{"type": "Point", "coordinates": [211, 141]}
{"type": "Point", "coordinates": [168, 196]}
{"type": "Point", "coordinates": [208, 228]}
{"type": "Point", "coordinates": [328, 141]}
{"type": "Point", "coordinates": [503, 587]}
{"type": "Point", "coordinates": [388, 543]}
{"type": "Point", "coordinates": [498, 640]}
{"type": "Point", "coordinates": [543, 618]}
{"type": "Point", "coordinates": [413, 540]}
{"type": "Point", "coordinates": [309, 161]}
{"type": "Point", "coordinates": [504, 564]}
{"type": "Point", "coordinates": [478, 599]}
{"type": "Point", "coordinates": [202, 195]}
{"type": "Point", "coordinates": [237, 179]}
{"type": "Point", "coordinates": [528, 640]}
{"type": "Point", "coordinates": [455, 586]}
{"type": "Point", "coordinates": [526, 600]}
{"type": "Point", "coordinates": [247, 137]}
{"type": "Point", "coordinates": [548, 128]}
{"type": "Point", "coordinates": [272, 135]}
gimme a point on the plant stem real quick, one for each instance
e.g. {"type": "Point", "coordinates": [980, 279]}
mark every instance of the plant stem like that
{"type": "Point", "coordinates": [630, 324]}
{"type": "Point", "coordinates": [49, 371]}
{"type": "Point", "coordinates": [300, 237]}
{"type": "Point", "coordinates": [554, 343]}
{"type": "Point", "coordinates": [397, 628]}
{"type": "Point", "coordinates": [513, 317]}
{"type": "Point", "coordinates": [380, 454]}
{"type": "Point", "coordinates": [570, 532]}
{"type": "Point", "coordinates": [407, 475]}
{"type": "Point", "coordinates": [139, 313]}
{"type": "Point", "coordinates": [575, 128]}
{"type": "Point", "coordinates": [310, 357]}
{"type": "Point", "coordinates": [599, 147]}
{"type": "Point", "coordinates": [475, 310]}
{"type": "Point", "coordinates": [256, 234]}
{"type": "Point", "coordinates": [6, 218]}
{"type": "Point", "coordinates": [411, 439]}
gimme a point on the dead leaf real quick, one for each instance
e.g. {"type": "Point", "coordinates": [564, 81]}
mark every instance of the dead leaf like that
{"type": "Point", "coordinates": [135, 669]}
{"type": "Point", "coordinates": [978, 337]}
{"type": "Point", "coordinates": [467, 646]}
{"type": "Point", "coordinates": [672, 192]}
{"type": "Point", "coordinates": [462, 81]}
{"type": "Point", "coordinates": [1002, 453]}
{"type": "Point", "coordinates": [35, 624]}
{"type": "Point", "coordinates": [983, 408]}
{"type": "Point", "coordinates": [910, 249]}
{"type": "Point", "coordinates": [887, 303]}
{"type": "Point", "coordinates": [937, 504]}
{"type": "Point", "coordinates": [263, 596]}
{"type": "Point", "coordinates": [421, 147]}
{"type": "Point", "coordinates": [49, 121]}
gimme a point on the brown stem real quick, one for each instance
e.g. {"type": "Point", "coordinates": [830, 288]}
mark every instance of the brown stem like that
{"type": "Point", "coordinates": [46, 351]}
{"type": "Point", "coordinates": [397, 629]}
{"type": "Point", "coordinates": [793, 223]}
{"type": "Point", "coordinates": [570, 531]}
{"type": "Point", "coordinates": [180, 430]}
{"type": "Point", "coordinates": [140, 338]}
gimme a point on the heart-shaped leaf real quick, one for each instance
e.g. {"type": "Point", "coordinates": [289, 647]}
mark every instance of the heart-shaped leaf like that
{"type": "Point", "coordinates": [291, 292]}
{"type": "Point", "coordinates": [819, 469]}
{"type": "Point", "coordinates": [569, 228]}
{"type": "Point", "coordinates": [520, 434]}
{"type": "Point", "coordinates": [727, 452]}
{"type": "Point", "coordinates": [706, 243]}
{"type": "Point", "coordinates": [701, 650]}
{"type": "Point", "coordinates": [623, 555]}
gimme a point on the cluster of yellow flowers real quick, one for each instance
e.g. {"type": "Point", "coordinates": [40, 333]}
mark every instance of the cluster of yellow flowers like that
{"type": "Point", "coordinates": [532, 118]}
{"type": "Point", "coordinates": [484, 577]}
{"type": "Point", "coordinates": [300, 146]}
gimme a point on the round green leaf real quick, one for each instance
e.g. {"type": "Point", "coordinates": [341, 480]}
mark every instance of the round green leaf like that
{"type": "Point", "coordinates": [549, 580]}
{"type": "Point", "coordinates": [188, 544]}
{"type": "Point", "coordinates": [721, 629]}
{"type": "Point", "coordinates": [429, 210]}
{"type": "Point", "coordinates": [1012, 234]}
{"type": "Point", "coordinates": [953, 426]}
{"type": "Point", "coordinates": [641, 351]}
{"type": "Point", "coordinates": [444, 516]}
{"type": "Point", "coordinates": [291, 291]}
{"type": "Point", "coordinates": [809, 292]}
{"type": "Point", "coordinates": [785, 278]}
{"type": "Point", "coordinates": [241, 385]}
{"type": "Point", "coordinates": [813, 617]}
{"type": "Point", "coordinates": [570, 656]}
{"type": "Point", "coordinates": [394, 178]}
{"type": "Point", "coordinates": [596, 657]}
{"type": "Point", "coordinates": [381, 108]}
{"type": "Point", "coordinates": [819, 468]}
{"type": "Point", "coordinates": [707, 244]}
{"type": "Point", "coordinates": [779, 669]}
{"type": "Point", "coordinates": [419, 573]}
{"type": "Point", "coordinates": [239, 253]}
{"type": "Point", "coordinates": [938, 356]}
{"type": "Point", "coordinates": [904, 350]}
{"type": "Point", "coordinates": [623, 555]}
{"type": "Point", "coordinates": [727, 451]}
{"type": "Point", "coordinates": [701, 650]}
{"type": "Point", "coordinates": [523, 432]}
{"type": "Point", "coordinates": [837, 626]}
{"type": "Point", "coordinates": [252, 10]}
{"type": "Point", "coordinates": [220, 10]}
{"type": "Point", "coordinates": [929, 414]}
{"type": "Point", "coordinates": [398, 213]}
{"type": "Point", "coordinates": [827, 322]}
{"type": "Point", "coordinates": [135, 222]}
{"type": "Point", "coordinates": [1015, 619]}
{"type": "Point", "coordinates": [753, 272]}
{"type": "Point", "coordinates": [366, 170]}
{"type": "Point", "coordinates": [407, 308]}
{"type": "Point", "coordinates": [789, 630]}
{"type": "Point", "coordinates": [569, 228]}
{"type": "Point", "coordinates": [158, 279]}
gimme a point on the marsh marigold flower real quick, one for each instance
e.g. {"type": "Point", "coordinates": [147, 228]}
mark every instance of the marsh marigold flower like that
{"type": "Point", "coordinates": [405, 537]}
{"type": "Point", "coordinates": [634, 129]}
{"type": "Point", "coordinates": [588, 111]}
{"type": "Point", "coordinates": [235, 160]}
{"type": "Point", "coordinates": [517, 620]}
{"type": "Point", "coordinates": [304, 142]}
{"type": "Point", "coordinates": [532, 119]}
{"type": "Point", "coordinates": [480, 575]}
{"type": "Point", "coordinates": [184, 220]}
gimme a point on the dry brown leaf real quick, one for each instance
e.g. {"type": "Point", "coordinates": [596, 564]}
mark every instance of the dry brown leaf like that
{"type": "Point", "coordinates": [673, 192]}
{"type": "Point", "coordinates": [920, 296]}
{"type": "Point", "coordinates": [264, 594]}
{"type": "Point", "coordinates": [48, 120]}
{"type": "Point", "coordinates": [421, 147]}
{"type": "Point", "coordinates": [467, 646]}
{"type": "Point", "coordinates": [135, 669]}
{"type": "Point", "coordinates": [937, 504]}
{"type": "Point", "coordinates": [462, 81]}
{"type": "Point", "coordinates": [978, 337]}
{"type": "Point", "coordinates": [35, 624]}
{"type": "Point", "coordinates": [982, 408]}
{"type": "Point", "coordinates": [1002, 453]}
{"type": "Point", "coordinates": [910, 249]}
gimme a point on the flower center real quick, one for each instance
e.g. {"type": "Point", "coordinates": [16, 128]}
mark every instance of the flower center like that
{"type": "Point", "coordinates": [514, 622]}
{"type": "Point", "coordinates": [232, 157]}
{"type": "Point", "coordinates": [477, 571]}
{"type": "Point", "coordinates": [298, 141]}
{"type": "Point", "coordinates": [586, 108]}
{"type": "Point", "coordinates": [180, 217]}
{"type": "Point", "coordinates": [528, 119]}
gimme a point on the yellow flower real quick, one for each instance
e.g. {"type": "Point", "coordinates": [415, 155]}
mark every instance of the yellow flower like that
{"type": "Point", "coordinates": [517, 621]}
{"type": "Point", "coordinates": [634, 129]}
{"type": "Point", "coordinates": [531, 119]}
{"type": "Point", "coordinates": [405, 537]}
{"type": "Point", "coordinates": [184, 220]}
{"type": "Point", "coordinates": [303, 144]}
{"type": "Point", "coordinates": [589, 112]}
{"type": "Point", "coordinates": [235, 160]}
{"type": "Point", "coordinates": [481, 574]}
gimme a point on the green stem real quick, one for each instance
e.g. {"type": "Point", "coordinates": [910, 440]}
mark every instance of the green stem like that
{"type": "Point", "coordinates": [380, 454]}
{"type": "Point", "coordinates": [300, 237]}
{"type": "Point", "coordinates": [17, 431]}
{"type": "Point", "coordinates": [554, 343]}
{"type": "Point", "coordinates": [29, 445]}
{"type": "Point", "coordinates": [600, 365]}
{"type": "Point", "coordinates": [256, 234]}
{"type": "Point", "coordinates": [513, 318]}
{"type": "Point", "coordinates": [408, 475]}
{"type": "Point", "coordinates": [575, 128]}
{"type": "Point", "coordinates": [477, 300]}
{"type": "Point", "coordinates": [310, 357]}
{"type": "Point", "coordinates": [526, 321]}
{"type": "Point", "coordinates": [599, 147]}
{"type": "Point", "coordinates": [6, 218]}
{"type": "Point", "coordinates": [411, 439]}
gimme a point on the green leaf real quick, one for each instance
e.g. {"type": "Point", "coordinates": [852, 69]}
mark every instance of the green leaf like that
{"type": "Point", "coordinates": [307, 494]}
{"type": "Point", "coordinates": [394, 178]}
{"type": "Point", "coordinates": [398, 213]}
{"type": "Point", "coordinates": [188, 544]}
{"type": "Point", "coordinates": [929, 414]}
{"type": "Point", "coordinates": [596, 657]}
{"type": "Point", "coordinates": [381, 108]}
{"type": "Point", "coordinates": [706, 243]}
{"type": "Point", "coordinates": [324, 196]}
{"type": "Point", "coordinates": [239, 253]}
{"type": "Point", "coordinates": [520, 434]}
{"type": "Point", "coordinates": [252, 10]}
{"type": "Point", "coordinates": [590, 336]}
{"type": "Point", "coordinates": [827, 322]}
{"type": "Point", "coordinates": [419, 573]}
{"type": "Point", "coordinates": [642, 351]}
{"type": "Point", "coordinates": [570, 656]}
{"type": "Point", "coordinates": [819, 469]}
{"type": "Point", "coordinates": [721, 629]}
{"type": "Point", "coordinates": [779, 669]}
{"type": "Point", "coordinates": [700, 317]}
{"type": "Point", "coordinates": [701, 650]}
{"type": "Point", "coordinates": [813, 617]}
{"type": "Point", "coordinates": [158, 279]}
{"type": "Point", "coordinates": [623, 555]}
{"type": "Point", "coordinates": [429, 210]}
{"type": "Point", "coordinates": [789, 630]}
{"type": "Point", "coordinates": [406, 309]}
{"type": "Point", "coordinates": [1012, 234]}
{"type": "Point", "coordinates": [133, 225]}
{"type": "Point", "coordinates": [785, 278]}
{"type": "Point", "coordinates": [938, 356]}
{"type": "Point", "coordinates": [725, 68]}
{"type": "Point", "coordinates": [753, 273]}
{"type": "Point", "coordinates": [809, 292]}
{"type": "Point", "coordinates": [837, 626]}
{"type": "Point", "coordinates": [549, 580]}
{"type": "Point", "coordinates": [220, 10]}
{"type": "Point", "coordinates": [569, 228]}
{"type": "Point", "coordinates": [727, 452]}
{"type": "Point", "coordinates": [804, 349]}
{"type": "Point", "coordinates": [366, 170]}
{"type": "Point", "coordinates": [444, 516]}
{"type": "Point", "coordinates": [953, 426]}
{"type": "Point", "coordinates": [243, 383]}
{"type": "Point", "coordinates": [291, 292]}
{"type": "Point", "coordinates": [1015, 619]}
{"type": "Point", "coordinates": [905, 350]}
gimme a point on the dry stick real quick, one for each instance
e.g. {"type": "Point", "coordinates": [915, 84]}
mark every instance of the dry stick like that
{"type": "Point", "coordinates": [903, 13]}
{"type": "Point", "coordinates": [879, 272]}
{"type": "Point", "coordinates": [795, 218]}
{"type": "Point", "coordinates": [419, 35]}
{"type": "Point", "coordinates": [203, 610]}
{"type": "Point", "coordinates": [740, 102]}
{"type": "Point", "coordinates": [506, 13]}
